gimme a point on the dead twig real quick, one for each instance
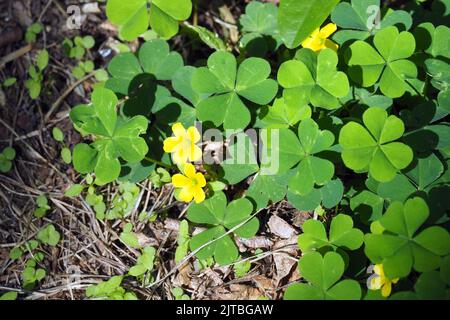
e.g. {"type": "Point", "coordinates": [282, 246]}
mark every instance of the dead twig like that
{"type": "Point", "coordinates": [15, 55]}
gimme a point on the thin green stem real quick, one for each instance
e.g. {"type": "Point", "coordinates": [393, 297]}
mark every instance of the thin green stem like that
{"type": "Point", "coordinates": [162, 164]}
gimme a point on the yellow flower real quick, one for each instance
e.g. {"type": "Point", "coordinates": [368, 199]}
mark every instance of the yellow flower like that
{"type": "Point", "coordinates": [183, 145]}
{"type": "Point", "coordinates": [318, 40]}
{"type": "Point", "coordinates": [379, 280]}
{"type": "Point", "coordinates": [191, 184]}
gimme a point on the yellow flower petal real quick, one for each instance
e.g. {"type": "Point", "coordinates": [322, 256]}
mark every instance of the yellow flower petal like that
{"type": "Point", "coordinates": [331, 45]}
{"type": "Point", "coordinates": [186, 194]}
{"type": "Point", "coordinates": [386, 289]}
{"type": "Point", "coordinates": [375, 283]}
{"type": "Point", "coordinates": [328, 30]}
{"type": "Point", "coordinates": [378, 269]}
{"type": "Point", "coordinates": [200, 178]}
{"type": "Point", "coordinates": [179, 156]}
{"type": "Point", "coordinates": [315, 45]}
{"type": "Point", "coordinates": [178, 130]}
{"type": "Point", "coordinates": [193, 134]}
{"type": "Point", "coordinates": [189, 171]}
{"type": "Point", "coordinates": [171, 143]}
{"type": "Point", "coordinates": [180, 181]}
{"type": "Point", "coordinates": [308, 43]}
{"type": "Point", "coordinates": [315, 33]}
{"type": "Point", "coordinates": [199, 194]}
{"type": "Point", "coordinates": [195, 153]}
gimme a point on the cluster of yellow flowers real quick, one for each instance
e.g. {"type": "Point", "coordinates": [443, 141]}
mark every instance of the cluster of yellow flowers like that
{"type": "Point", "coordinates": [182, 146]}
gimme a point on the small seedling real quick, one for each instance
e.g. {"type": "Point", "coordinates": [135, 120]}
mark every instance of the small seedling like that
{"type": "Point", "coordinates": [48, 235]}
{"type": "Point", "coordinates": [42, 206]}
{"type": "Point", "coordinates": [183, 240]}
{"type": "Point", "coordinates": [144, 266]}
{"type": "Point", "coordinates": [110, 290]}
{"type": "Point", "coordinates": [58, 135]}
{"type": "Point", "coordinates": [35, 72]}
{"type": "Point", "coordinates": [11, 295]}
{"type": "Point", "coordinates": [32, 32]}
{"type": "Point", "coordinates": [242, 268]}
{"type": "Point", "coordinates": [129, 237]}
{"type": "Point", "coordinates": [160, 177]}
{"type": "Point", "coordinates": [77, 48]}
{"type": "Point", "coordinates": [179, 294]}
{"type": "Point", "coordinates": [9, 82]}
{"type": "Point", "coordinates": [32, 274]}
{"type": "Point", "coordinates": [6, 157]}
{"type": "Point", "coordinates": [82, 69]}
{"type": "Point", "coordinates": [96, 201]}
{"type": "Point", "coordinates": [124, 202]}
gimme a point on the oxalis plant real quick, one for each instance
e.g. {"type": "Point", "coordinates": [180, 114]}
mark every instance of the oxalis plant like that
{"type": "Point", "coordinates": [347, 102]}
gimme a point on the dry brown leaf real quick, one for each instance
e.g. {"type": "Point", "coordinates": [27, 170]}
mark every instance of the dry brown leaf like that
{"type": "Point", "coordinates": [283, 264]}
{"type": "Point", "coordinates": [145, 241]}
{"type": "Point", "coordinates": [263, 283]}
{"type": "Point", "coordinates": [287, 245]}
{"type": "Point", "coordinates": [300, 217]}
{"type": "Point", "coordinates": [183, 278]}
{"type": "Point", "coordinates": [216, 278]}
{"type": "Point", "coordinates": [236, 292]}
{"type": "Point", "coordinates": [280, 227]}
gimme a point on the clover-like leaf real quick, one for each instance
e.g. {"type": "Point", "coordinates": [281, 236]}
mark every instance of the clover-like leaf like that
{"type": "Point", "coordinates": [364, 97]}
{"type": "Point", "coordinates": [241, 162]}
{"type": "Point", "coordinates": [429, 286]}
{"type": "Point", "coordinates": [421, 177]}
{"type": "Point", "coordinates": [439, 70]}
{"type": "Point", "coordinates": [210, 38]}
{"type": "Point", "coordinates": [329, 196]}
{"type": "Point", "coordinates": [298, 19]}
{"type": "Point", "coordinates": [260, 18]}
{"type": "Point", "coordinates": [260, 28]}
{"type": "Point", "coordinates": [114, 137]}
{"type": "Point", "coordinates": [312, 170]}
{"type": "Point", "coordinates": [323, 275]}
{"type": "Point", "coordinates": [433, 40]}
{"type": "Point", "coordinates": [219, 217]}
{"type": "Point", "coordinates": [342, 235]}
{"type": "Point", "coordinates": [283, 115]}
{"type": "Point", "coordinates": [272, 174]}
{"type": "Point", "coordinates": [312, 78]}
{"type": "Point", "coordinates": [154, 59]}
{"type": "Point", "coordinates": [399, 248]}
{"type": "Point", "coordinates": [283, 150]}
{"type": "Point", "coordinates": [386, 64]}
{"type": "Point", "coordinates": [134, 16]}
{"type": "Point", "coordinates": [373, 148]}
{"type": "Point", "coordinates": [368, 205]}
{"type": "Point", "coordinates": [182, 84]}
{"type": "Point", "coordinates": [226, 84]}
{"type": "Point", "coordinates": [360, 19]}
